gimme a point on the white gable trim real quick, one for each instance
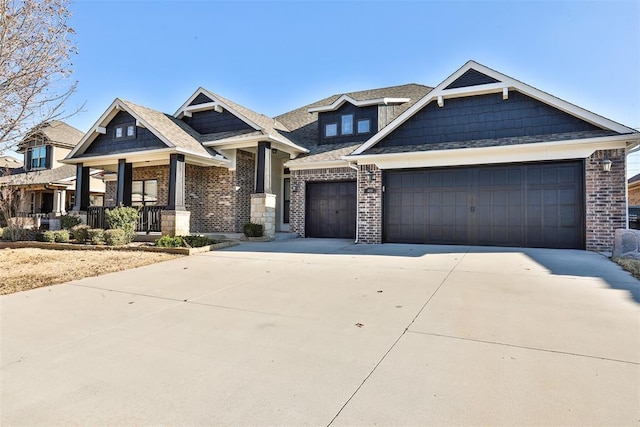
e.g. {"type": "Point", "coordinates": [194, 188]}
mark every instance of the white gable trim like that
{"type": "Point", "coordinates": [440, 94]}
{"type": "Point", "coordinates": [327, 164]}
{"type": "Point", "coordinates": [346, 98]}
{"type": "Point", "coordinates": [100, 127]}
{"type": "Point", "coordinates": [217, 105]}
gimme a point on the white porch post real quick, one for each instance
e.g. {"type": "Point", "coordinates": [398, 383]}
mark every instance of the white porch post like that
{"type": "Point", "coordinates": [59, 197]}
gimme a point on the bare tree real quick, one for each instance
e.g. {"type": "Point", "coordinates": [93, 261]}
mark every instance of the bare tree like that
{"type": "Point", "coordinates": [36, 48]}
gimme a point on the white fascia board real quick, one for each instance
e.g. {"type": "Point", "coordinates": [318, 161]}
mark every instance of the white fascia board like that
{"type": "Point", "coordinates": [184, 107]}
{"type": "Point", "coordinates": [286, 143]}
{"type": "Point", "coordinates": [329, 164]}
{"type": "Point", "coordinates": [540, 151]}
{"type": "Point", "coordinates": [504, 82]}
{"type": "Point", "coordinates": [115, 107]}
{"type": "Point", "coordinates": [236, 142]}
{"type": "Point", "coordinates": [346, 98]}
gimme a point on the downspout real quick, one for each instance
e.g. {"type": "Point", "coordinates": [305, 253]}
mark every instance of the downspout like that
{"type": "Point", "coordinates": [354, 167]}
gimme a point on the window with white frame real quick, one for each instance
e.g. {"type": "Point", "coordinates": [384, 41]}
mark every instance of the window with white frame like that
{"type": "Point", "coordinates": [125, 131]}
{"type": "Point", "coordinates": [330, 130]}
{"type": "Point", "coordinates": [347, 124]}
{"type": "Point", "coordinates": [39, 157]}
{"type": "Point", "coordinates": [364, 125]}
{"type": "Point", "coordinates": [144, 193]}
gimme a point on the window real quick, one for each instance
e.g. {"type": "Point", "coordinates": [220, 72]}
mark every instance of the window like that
{"type": "Point", "coordinates": [347, 124]}
{"type": "Point", "coordinates": [330, 129]}
{"type": "Point", "coordinates": [144, 193]}
{"type": "Point", "coordinates": [39, 157]}
{"type": "Point", "coordinates": [364, 125]}
{"type": "Point", "coordinates": [126, 131]}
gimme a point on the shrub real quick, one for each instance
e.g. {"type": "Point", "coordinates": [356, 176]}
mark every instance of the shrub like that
{"type": "Point", "coordinates": [170, 242]}
{"type": "Point", "coordinates": [251, 229]}
{"type": "Point", "coordinates": [15, 233]}
{"type": "Point", "coordinates": [123, 218]}
{"type": "Point", "coordinates": [80, 233]}
{"type": "Point", "coordinates": [95, 235]}
{"type": "Point", "coordinates": [68, 221]}
{"type": "Point", "coordinates": [47, 236]}
{"type": "Point", "coordinates": [197, 241]}
{"type": "Point", "coordinates": [115, 237]}
{"type": "Point", "coordinates": [61, 236]}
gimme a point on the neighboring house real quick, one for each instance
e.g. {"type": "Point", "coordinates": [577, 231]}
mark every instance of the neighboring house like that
{"type": "Point", "coordinates": [633, 189]}
{"type": "Point", "coordinates": [49, 185]}
{"type": "Point", "coordinates": [10, 165]}
{"type": "Point", "coordinates": [481, 159]}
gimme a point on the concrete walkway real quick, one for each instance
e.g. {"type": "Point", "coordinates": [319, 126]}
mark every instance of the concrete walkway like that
{"type": "Point", "coordinates": [324, 332]}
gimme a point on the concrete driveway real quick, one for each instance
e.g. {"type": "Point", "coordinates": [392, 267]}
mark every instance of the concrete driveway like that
{"type": "Point", "coordinates": [324, 332]}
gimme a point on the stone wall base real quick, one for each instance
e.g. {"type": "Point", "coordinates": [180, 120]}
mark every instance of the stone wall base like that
{"type": "Point", "coordinates": [175, 223]}
{"type": "Point", "coordinates": [263, 211]}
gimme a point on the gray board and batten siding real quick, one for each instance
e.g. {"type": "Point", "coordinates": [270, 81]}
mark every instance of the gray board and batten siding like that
{"type": "Point", "coordinates": [521, 205]}
{"type": "Point", "coordinates": [483, 117]}
{"type": "Point", "coordinates": [107, 143]}
{"type": "Point", "coordinates": [210, 121]}
{"type": "Point", "coordinates": [369, 112]}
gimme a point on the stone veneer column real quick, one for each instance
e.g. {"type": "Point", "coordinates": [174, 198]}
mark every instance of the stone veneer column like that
{"type": "Point", "coordinates": [606, 201]}
{"type": "Point", "coordinates": [263, 211]}
{"type": "Point", "coordinates": [369, 204]}
{"type": "Point", "coordinates": [175, 223]}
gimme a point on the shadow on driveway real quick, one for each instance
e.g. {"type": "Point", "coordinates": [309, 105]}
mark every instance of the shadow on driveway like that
{"type": "Point", "coordinates": [559, 262]}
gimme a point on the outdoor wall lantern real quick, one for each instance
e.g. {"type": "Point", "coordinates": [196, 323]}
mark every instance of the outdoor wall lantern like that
{"type": "Point", "coordinates": [295, 188]}
{"type": "Point", "coordinates": [606, 165]}
{"type": "Point", "coordinates": [369, 176]}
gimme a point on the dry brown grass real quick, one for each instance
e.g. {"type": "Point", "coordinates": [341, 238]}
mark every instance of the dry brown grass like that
{"type": "Point", "coordinates": [29, 268]}
{"type": "Point", "coordinates": [631, 265]}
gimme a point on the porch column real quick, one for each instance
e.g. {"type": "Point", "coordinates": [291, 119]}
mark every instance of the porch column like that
{"type": "Point", "coordinates": [59, 200]}
{"type": "Point", "coordinates": [263, 173]}
{"type": "Point", "coordinates": [263, 203]}
{"type": "Point", "coordinates": [82, 188]}
{"type": "Point", "coordinates": [175, 218]}
{"type": "Point", "coordinates": [125, 182]}
{"type": "Point", "coordinates": [175, 201]}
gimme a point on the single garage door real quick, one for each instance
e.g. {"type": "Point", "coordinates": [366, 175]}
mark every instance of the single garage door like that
{"type": "Point", "coordinates": [525, 205]}
{"type": "Point", "coordinates": [331, 209]}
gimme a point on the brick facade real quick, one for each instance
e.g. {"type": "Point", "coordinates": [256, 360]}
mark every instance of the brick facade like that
{"type": "Point", "coordinates": [369, 204]}
{"type": "Point", "coordinates": [219, 199]}
{"type": "Point", "coordinates": [605, 198]}
{"type": "Point", "coordinates": [299, 178]}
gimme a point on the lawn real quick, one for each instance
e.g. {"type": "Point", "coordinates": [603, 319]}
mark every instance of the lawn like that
{"type": "Point", "coordinates": [29, 268]}
{"type": "Point", "coordinates": [631, 265]}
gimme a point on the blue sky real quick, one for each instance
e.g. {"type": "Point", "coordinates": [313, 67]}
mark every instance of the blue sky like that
{"type": "Point", "coordinates": [276, 56]}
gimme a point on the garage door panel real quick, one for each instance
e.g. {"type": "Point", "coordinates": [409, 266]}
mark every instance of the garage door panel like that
{"type": "Point", "coordinates": [538, 205]}
{"type": "Point", "coordinates": [330, 209]}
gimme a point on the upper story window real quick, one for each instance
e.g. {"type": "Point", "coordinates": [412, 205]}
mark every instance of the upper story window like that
{"type": "Point", "coordinates": [126, 131]}
{"type": "Point", "coordinates": [39, 157]}
{"type": "Point", "coordinates": [364, 125]}
{"type": "Point", "coordinates": [331, 129]}
{"type": "Point", "coordinates": [347, 124]}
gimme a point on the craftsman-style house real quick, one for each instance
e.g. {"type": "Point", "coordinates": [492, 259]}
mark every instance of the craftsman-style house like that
{"type": "Point", "coordinates": [480, 159]}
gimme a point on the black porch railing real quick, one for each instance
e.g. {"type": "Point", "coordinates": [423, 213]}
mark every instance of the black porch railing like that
{"type": "Point", "coordinates": [149, 218]}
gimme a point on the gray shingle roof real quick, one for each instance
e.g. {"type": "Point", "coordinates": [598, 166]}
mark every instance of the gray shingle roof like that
{"type": "Point", "coordinates": [8, 162]}
{"type": "Point", "coordinates": [304, 125]}
{"type": "Point", "coordinates": [176, 131]}
{"type": "Point", "coordinates": [634, 178]}
{"type": "Point", "coordinates": [46, 176]}
{"type": "Point", "coordinates": [57, 133]}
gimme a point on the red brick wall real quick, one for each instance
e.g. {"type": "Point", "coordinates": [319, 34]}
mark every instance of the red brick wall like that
{"type": "Point", "coordinates": [369, 204]}
{"type": "Point", "coordinates": [606, 208]}
{"type": "Point", "coordinates": [299, 178]}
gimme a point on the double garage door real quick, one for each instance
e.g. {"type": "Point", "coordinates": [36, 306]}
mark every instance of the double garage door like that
{"type": "Point", "coordinates": [527, 205]}
{"type": "Point", "coordinates": [523, 205]}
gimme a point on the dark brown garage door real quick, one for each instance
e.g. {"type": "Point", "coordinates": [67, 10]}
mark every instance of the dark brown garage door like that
{"type": "Point", "coordinates": [331, 209]}
{"type": "Point", "coordinates": [527, 205]}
